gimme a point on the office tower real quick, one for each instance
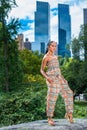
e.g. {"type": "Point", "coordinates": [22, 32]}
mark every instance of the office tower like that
{"type": "Point", "coordinates": [42, 23]}
{"type": "Point", "coordinates": [85, 33]}
{"type": "Point", "coordinates": [27, 44]}
{"type": "Point", "coordinates": [85, 15]}
{"type": "Point", "coordinates": [20, 40]}
{"type": "Point", "coordinates": [64, 30]}
{"type": "Point", "coordinates": [43, 47]}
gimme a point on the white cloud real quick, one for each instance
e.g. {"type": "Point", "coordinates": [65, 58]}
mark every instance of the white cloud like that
{"type": "Point", "coordinates": [76, 12]}
{"type": "Point", "coordinates": [29, 34]}
{"type": "Point", "coordinates": [76, 19]}
{"type": "Point", "coordinates": [25, 8]}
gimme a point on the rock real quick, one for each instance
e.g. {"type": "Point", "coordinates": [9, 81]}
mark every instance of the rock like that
{"type": "Point", "coordinates": [61, 124]}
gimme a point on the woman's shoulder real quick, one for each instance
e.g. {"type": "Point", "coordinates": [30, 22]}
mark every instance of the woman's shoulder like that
{"type": "Point", "coordinates": [46, 57]}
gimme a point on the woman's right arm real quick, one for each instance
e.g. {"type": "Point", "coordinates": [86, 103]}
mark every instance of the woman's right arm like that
{"type": "Point", "coordinates": [43, 65]}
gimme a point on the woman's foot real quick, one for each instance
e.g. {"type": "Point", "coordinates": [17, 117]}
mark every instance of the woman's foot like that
{"type": "Point", "coordinates": [51, 122]}
{"type": "Point", "coordinates": [69, 117]}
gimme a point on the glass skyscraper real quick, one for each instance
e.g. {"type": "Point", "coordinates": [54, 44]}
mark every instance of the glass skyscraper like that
{"type": "Point", "coordinates": [42, 47]}
{"type": "Point", "coordinates": [85, 15]}
{"type": "Point", "coordinates": [64, 30]}
{"type": "Point", "coordinates": [42, 24]}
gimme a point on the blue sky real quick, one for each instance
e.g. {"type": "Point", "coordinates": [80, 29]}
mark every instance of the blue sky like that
{"type": "Point", "coordinates": [25, 12]}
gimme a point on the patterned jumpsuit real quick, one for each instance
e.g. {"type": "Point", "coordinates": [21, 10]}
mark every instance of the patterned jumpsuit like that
{"type": "Point", "coordinates": [59, 86]}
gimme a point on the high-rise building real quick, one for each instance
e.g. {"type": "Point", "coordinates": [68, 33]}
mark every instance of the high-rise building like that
{"type": "Point", "coordinates": [42, 23]}
{"type": "Point", "coordinates": [42, 47]}
{"type": "Point", "coordinates": [27, 44]}
{"type": "Point", "coordinates": [85, 33]}
{"type": "Point", "coordinates": [64, 30]}
{"type": "Point", "coordinates": [20, 40]}
{"type": "Point", "coordinates": [85, 15]}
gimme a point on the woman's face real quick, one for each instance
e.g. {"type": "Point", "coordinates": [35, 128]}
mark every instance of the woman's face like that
{"type": "Point", "coordinates": [52, 47]}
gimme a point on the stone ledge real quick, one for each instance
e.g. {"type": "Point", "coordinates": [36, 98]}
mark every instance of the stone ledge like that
{"type": "Point", "coordinates": [61, 124]}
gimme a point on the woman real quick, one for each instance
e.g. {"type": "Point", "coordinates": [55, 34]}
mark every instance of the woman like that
{"type": "Point", "coordinates": [56, 84]}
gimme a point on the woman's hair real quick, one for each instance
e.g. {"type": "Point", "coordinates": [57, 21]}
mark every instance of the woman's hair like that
{"type": "Point", "coordinates": [49, 43]}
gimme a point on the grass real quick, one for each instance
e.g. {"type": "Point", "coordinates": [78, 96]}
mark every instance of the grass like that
{"type": "Point", "coordinates": [80, 109]}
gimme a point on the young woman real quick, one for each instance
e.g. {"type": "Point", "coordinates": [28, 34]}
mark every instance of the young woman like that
{"type": "Point", "coordinates": [56, 84]}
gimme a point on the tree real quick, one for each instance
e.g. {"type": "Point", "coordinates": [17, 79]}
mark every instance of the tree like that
{"type": "Point", "coordinates": [31, 61]}
{"type": "Point", "coordinates": [9, 49]}
{"type": "Point", "coordinates": [82, 77]}
{"type": "Point", "coordinates": [75, 46]}
{"type": "Point", "coordinates": [75, 71]}
{"type": "Point", "coordinates": [83, 40]}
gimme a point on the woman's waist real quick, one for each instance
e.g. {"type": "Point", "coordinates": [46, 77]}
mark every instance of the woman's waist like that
{"type": "Point", "coordinates": [54, 73]}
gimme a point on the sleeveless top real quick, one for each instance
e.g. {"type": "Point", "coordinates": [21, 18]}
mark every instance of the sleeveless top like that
{"type": "Point", "coordinates": [53, 67]}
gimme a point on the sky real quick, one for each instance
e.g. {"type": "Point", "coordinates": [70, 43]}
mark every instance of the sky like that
{"type": "Point", "coordinates": [25, 13]}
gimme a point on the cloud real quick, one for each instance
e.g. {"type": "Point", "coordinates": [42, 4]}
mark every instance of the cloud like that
{"type": "Point", "coordinates": [29, 34]}
{"type": "Point", "coordinates": [26, 24]}
{"type": "Point", "coordinates": [54, 11]}
{"type": "Point", "coordinates": [77, 17]}
{"type": "Point", "coordinates": [25, 8]}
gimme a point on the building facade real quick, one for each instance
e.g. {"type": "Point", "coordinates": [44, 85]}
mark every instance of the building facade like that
{"type": "Point", "coordinates": [42, 47]}
{"type": "Point", "coordinates": [85, 15]}
{"type": "Point", "coordinates": [20, 40]}
{"type": "Point", "coordinates": [85, 32]}
{"type": "Point", "coordinates": [27, 44]}
{"type": "Point", "coordinates": [42, 24]}
{"type": "Point", "coordinates": [64, 30]}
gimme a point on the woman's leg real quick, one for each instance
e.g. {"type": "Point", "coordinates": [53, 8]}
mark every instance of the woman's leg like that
{"type": "Point", "coordinates": [52, 95]}
{"type": "Point", "coordinates": [67, 94]}
{"type": "Point", "coordinates": [51, 101]}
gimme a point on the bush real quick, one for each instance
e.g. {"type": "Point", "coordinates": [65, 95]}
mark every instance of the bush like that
{"type": "Point", "coordinates": [80, 109]}
{"type": "Point", "coordinates": [26, 105]}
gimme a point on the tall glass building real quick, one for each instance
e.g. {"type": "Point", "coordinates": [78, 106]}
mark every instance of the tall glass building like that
{"type": "Point", "coordinates": [85, 15]}
{"type": "Point", "coordinates": [42, 24]}
{"type": "Point", "coordinates": [43, 47]}
{"type": "Point", "coordinates": [64, 30]}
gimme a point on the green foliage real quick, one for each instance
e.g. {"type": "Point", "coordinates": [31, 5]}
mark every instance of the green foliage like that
{"type": "Point", "coordinates": [15, 74]}
{"type": "Point", "coordinates": [28, 103]}
{"type": "Point", "coordinates": [10, 64]}
{"type": "Point", "coordinates": [83, 39]}
{"type": "Point", "coordinates": [80, 109]}
{"type": "Point", "coordinates": [5, 8]}
{"type": "Point", "coordinates": [76, 48]}
{"type": "Point", "coordinates": [75, 72]}
{"type": "Point", "coordinates": [31, 60]}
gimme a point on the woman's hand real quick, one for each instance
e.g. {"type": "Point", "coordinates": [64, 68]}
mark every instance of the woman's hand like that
{"type": "Point", "coordinates": [63, 79]}
{"type": "Point", "coordinates": [49, 80]}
